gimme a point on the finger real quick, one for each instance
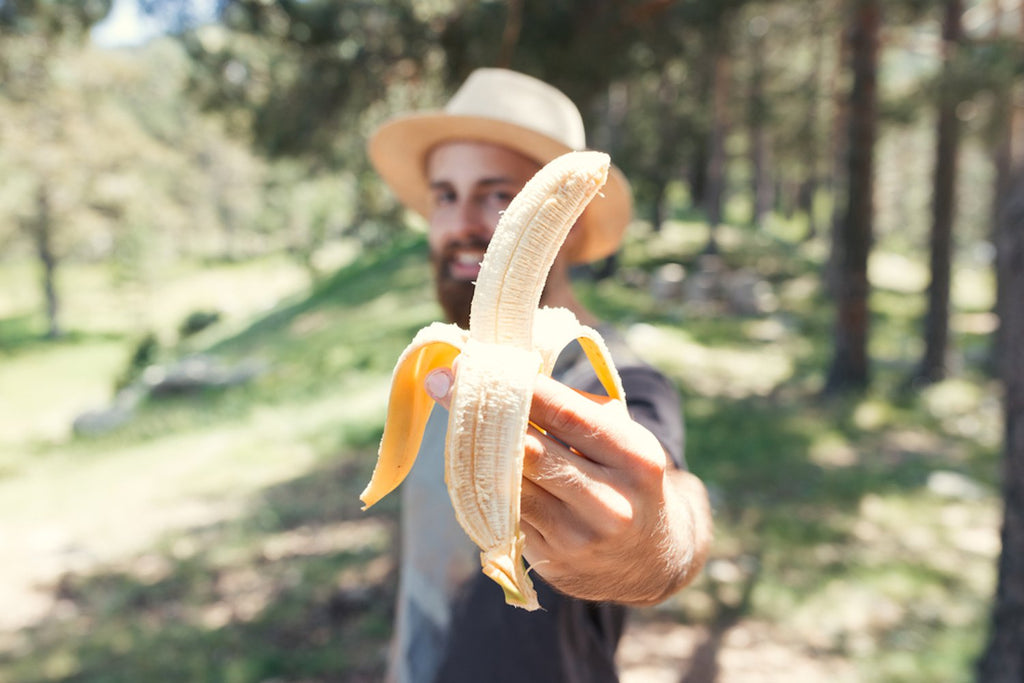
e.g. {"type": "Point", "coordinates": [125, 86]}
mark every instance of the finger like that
{"type": "Point", "coordinates": [597, 427]}
{"type": "Point", "coordinates": [576, 488]}
{"type": "Point", "coordinates": [549, 523]}
{"type": "Point", "coordinates": [546, 459]}
{"type": "Point", "coordinates": [438, 384]}
{"type": "Point", "coordinates": [538, 549]}
{"type": "Point", "coordinates": [557, 533]}
{"type": "Point", "coordinates": [538, 509]}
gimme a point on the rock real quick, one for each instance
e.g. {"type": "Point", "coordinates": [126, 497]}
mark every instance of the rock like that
{"type": "Point", "coordinates": [955, 485]}
{"type": "Point", "coordinates": [197, 373]}
{"type": "Point", "coordinates": [121, 411]}
{"type": "Point", "coordinates": [190, 375]}
{"type": "Point", "coordinates": [667, 282]}
{"type": "Point", "coordinates": [747, 294]}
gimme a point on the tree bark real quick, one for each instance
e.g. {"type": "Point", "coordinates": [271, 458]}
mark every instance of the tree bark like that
{"type": "Point", "coordinates": [936, 330]}
{"type": "Point", "coordinates": [762, 187]}
{"type": "Point", "coordinates": [715, 190]}
{"type": "Point", "coordinates": [658, 203]}
{"type": "Point", "coordinates": [42, 235]}
{"type": "Point", "coordinates": [809, 186]}
{"type": "Point", "coordinates": [1003, 659]}
{"type": "Point", "coordinates": [664, 161]}
{"type": "Point", "coordinates": [697, 173]}
{"type": "Point", "coordinates": [510, 34]}
{"type": "Point", "coordinates": [1006, 139]}
{"type": "Point", "coordinates": [850, 365]}
{"type": "Point", "coordinates": [838, 174]}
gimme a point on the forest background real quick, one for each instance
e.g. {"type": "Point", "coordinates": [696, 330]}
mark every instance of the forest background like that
{"type": "Point", "coordinates": [203, 289]}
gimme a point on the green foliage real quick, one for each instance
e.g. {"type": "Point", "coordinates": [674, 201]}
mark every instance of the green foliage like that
{"type": "Point", "coordinates": [52, 18]}
{"type": "Point", "coordinates": [196, 322]}
{"type": "Point", "coordinates": [285, 577]}
{"type": "Point", "coordinates": [145, 354]}
{"type": "Point", "coordinates": [137, 176]}
{"type": "Point", "coordinates": [299, 77]}
{"type": "Point", "coordinates": [247, 137]}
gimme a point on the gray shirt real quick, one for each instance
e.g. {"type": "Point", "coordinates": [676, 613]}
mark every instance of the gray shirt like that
{"type": "Point", "coordinates": [452, 623]}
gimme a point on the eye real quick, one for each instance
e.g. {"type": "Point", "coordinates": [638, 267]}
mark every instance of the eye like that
{"type": "Point", "coordinates": [498, 200]}
{"type": "Point", "coordinates": [444, 197]}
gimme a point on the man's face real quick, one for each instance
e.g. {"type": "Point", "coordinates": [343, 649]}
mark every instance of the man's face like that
{"type": "Point", "coordinates": [472, 184]}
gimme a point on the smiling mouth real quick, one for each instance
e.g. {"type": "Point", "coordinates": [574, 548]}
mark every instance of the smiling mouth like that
{"type": "Point", "coordinates": [465, 264]}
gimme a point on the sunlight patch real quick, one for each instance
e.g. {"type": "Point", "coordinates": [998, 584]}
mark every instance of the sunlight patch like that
{"type": "Point", "coordinates": [712, 371]}
{"type": "Point", "coordinates": [371, 533]}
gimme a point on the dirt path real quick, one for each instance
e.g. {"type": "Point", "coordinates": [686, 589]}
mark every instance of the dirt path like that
{"type": "Point", "coordinates": [656, 650]}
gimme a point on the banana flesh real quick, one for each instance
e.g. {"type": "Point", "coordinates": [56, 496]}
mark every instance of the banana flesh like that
{"type": "Point", "coordinates": [510, 341]}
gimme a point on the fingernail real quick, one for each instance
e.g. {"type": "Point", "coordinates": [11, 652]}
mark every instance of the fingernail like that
{"type": "Point", "coordinates": [438, 383]}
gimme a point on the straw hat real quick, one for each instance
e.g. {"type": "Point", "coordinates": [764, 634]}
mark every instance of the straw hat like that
{"type": "Point", "coordinates": [509, 109]}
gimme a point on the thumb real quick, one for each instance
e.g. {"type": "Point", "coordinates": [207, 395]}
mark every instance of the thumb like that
{"type": "Point", "coordinates": [438, 384]}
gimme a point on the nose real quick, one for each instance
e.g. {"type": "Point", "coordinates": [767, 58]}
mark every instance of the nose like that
{"type": "Point", "coordinates": [470, 221]}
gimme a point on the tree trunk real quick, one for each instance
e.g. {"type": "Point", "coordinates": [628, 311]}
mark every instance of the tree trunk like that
{"type": "Point", "coordinates": [1005, 140]}
{"type": "Point", "coordinates": [664, 163]}
{"type": "Point", "coordinates": [762, 187]}
{"type": "Point", "coordinates": [510, 34]}
{"type": "Point", "coordinates": [936, 331]}
{"type": "Point", "coordinates": [613, 106]}
{"type": "Point", "coordinates": [809, 186]}
{"type": "Point", "coordinates": [42, 235]}
{"type": "Point", "coordinates": [700, 139]}
{"type": "Point", "coordinates": [697, 175]}
{"type": "Point", "coordinates": [715, 191]}
{"type": "Point", "coordinates": [850, 364]}
{"type": "Point", "coordinates": [658, 203]}
{"type": "Point", "coordinates": [839, 168]}
{"type": "Point", "coordinates": [1003, 660]}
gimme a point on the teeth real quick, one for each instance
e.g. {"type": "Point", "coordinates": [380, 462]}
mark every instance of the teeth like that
{"type": "Point", "coordinates": [468, 259]}
{"type": "Point", "coordinates": [501, 356]}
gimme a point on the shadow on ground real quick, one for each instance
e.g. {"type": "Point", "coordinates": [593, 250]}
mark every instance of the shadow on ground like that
{"type": "Point", "coordinates": [298, 589]}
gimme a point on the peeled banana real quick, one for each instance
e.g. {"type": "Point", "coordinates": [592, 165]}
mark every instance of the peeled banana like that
{"type": "Point", "coordinates": [509, 342]}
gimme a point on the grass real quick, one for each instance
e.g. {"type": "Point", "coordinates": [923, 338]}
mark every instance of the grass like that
{"type": "Point", "coordinates": [218, 537]}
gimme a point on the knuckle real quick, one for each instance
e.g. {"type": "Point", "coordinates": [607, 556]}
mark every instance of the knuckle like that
{"type": "Point", "coordinates": [620, 519]}
{"type": "Point", "coordinates": [651, 464]}
{"type": "Point", "coordinates": [579, 541]}
{"type": "Point", "coordinates": [532, 455]}
{"type": "Point", "coordinates": [561, 418]}
{"type": "Point", "coordinates": [534, 510]}
{"type": "Point", "coordinates": [529, 509]}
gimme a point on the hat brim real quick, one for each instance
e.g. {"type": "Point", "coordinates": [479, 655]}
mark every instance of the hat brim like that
{"type": "Point", "coordinates": [399, 148]}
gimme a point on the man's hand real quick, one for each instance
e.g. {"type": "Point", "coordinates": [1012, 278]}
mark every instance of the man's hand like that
{"type": "Point", "coordinates": [606, 515]}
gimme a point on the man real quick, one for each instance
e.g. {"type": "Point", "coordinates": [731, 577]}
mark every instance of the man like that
{"type": "Point", "coordinates": [611, 516]}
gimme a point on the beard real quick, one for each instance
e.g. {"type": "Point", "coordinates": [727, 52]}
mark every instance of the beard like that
{"type": "Point", "coordinates": [453, 294]}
